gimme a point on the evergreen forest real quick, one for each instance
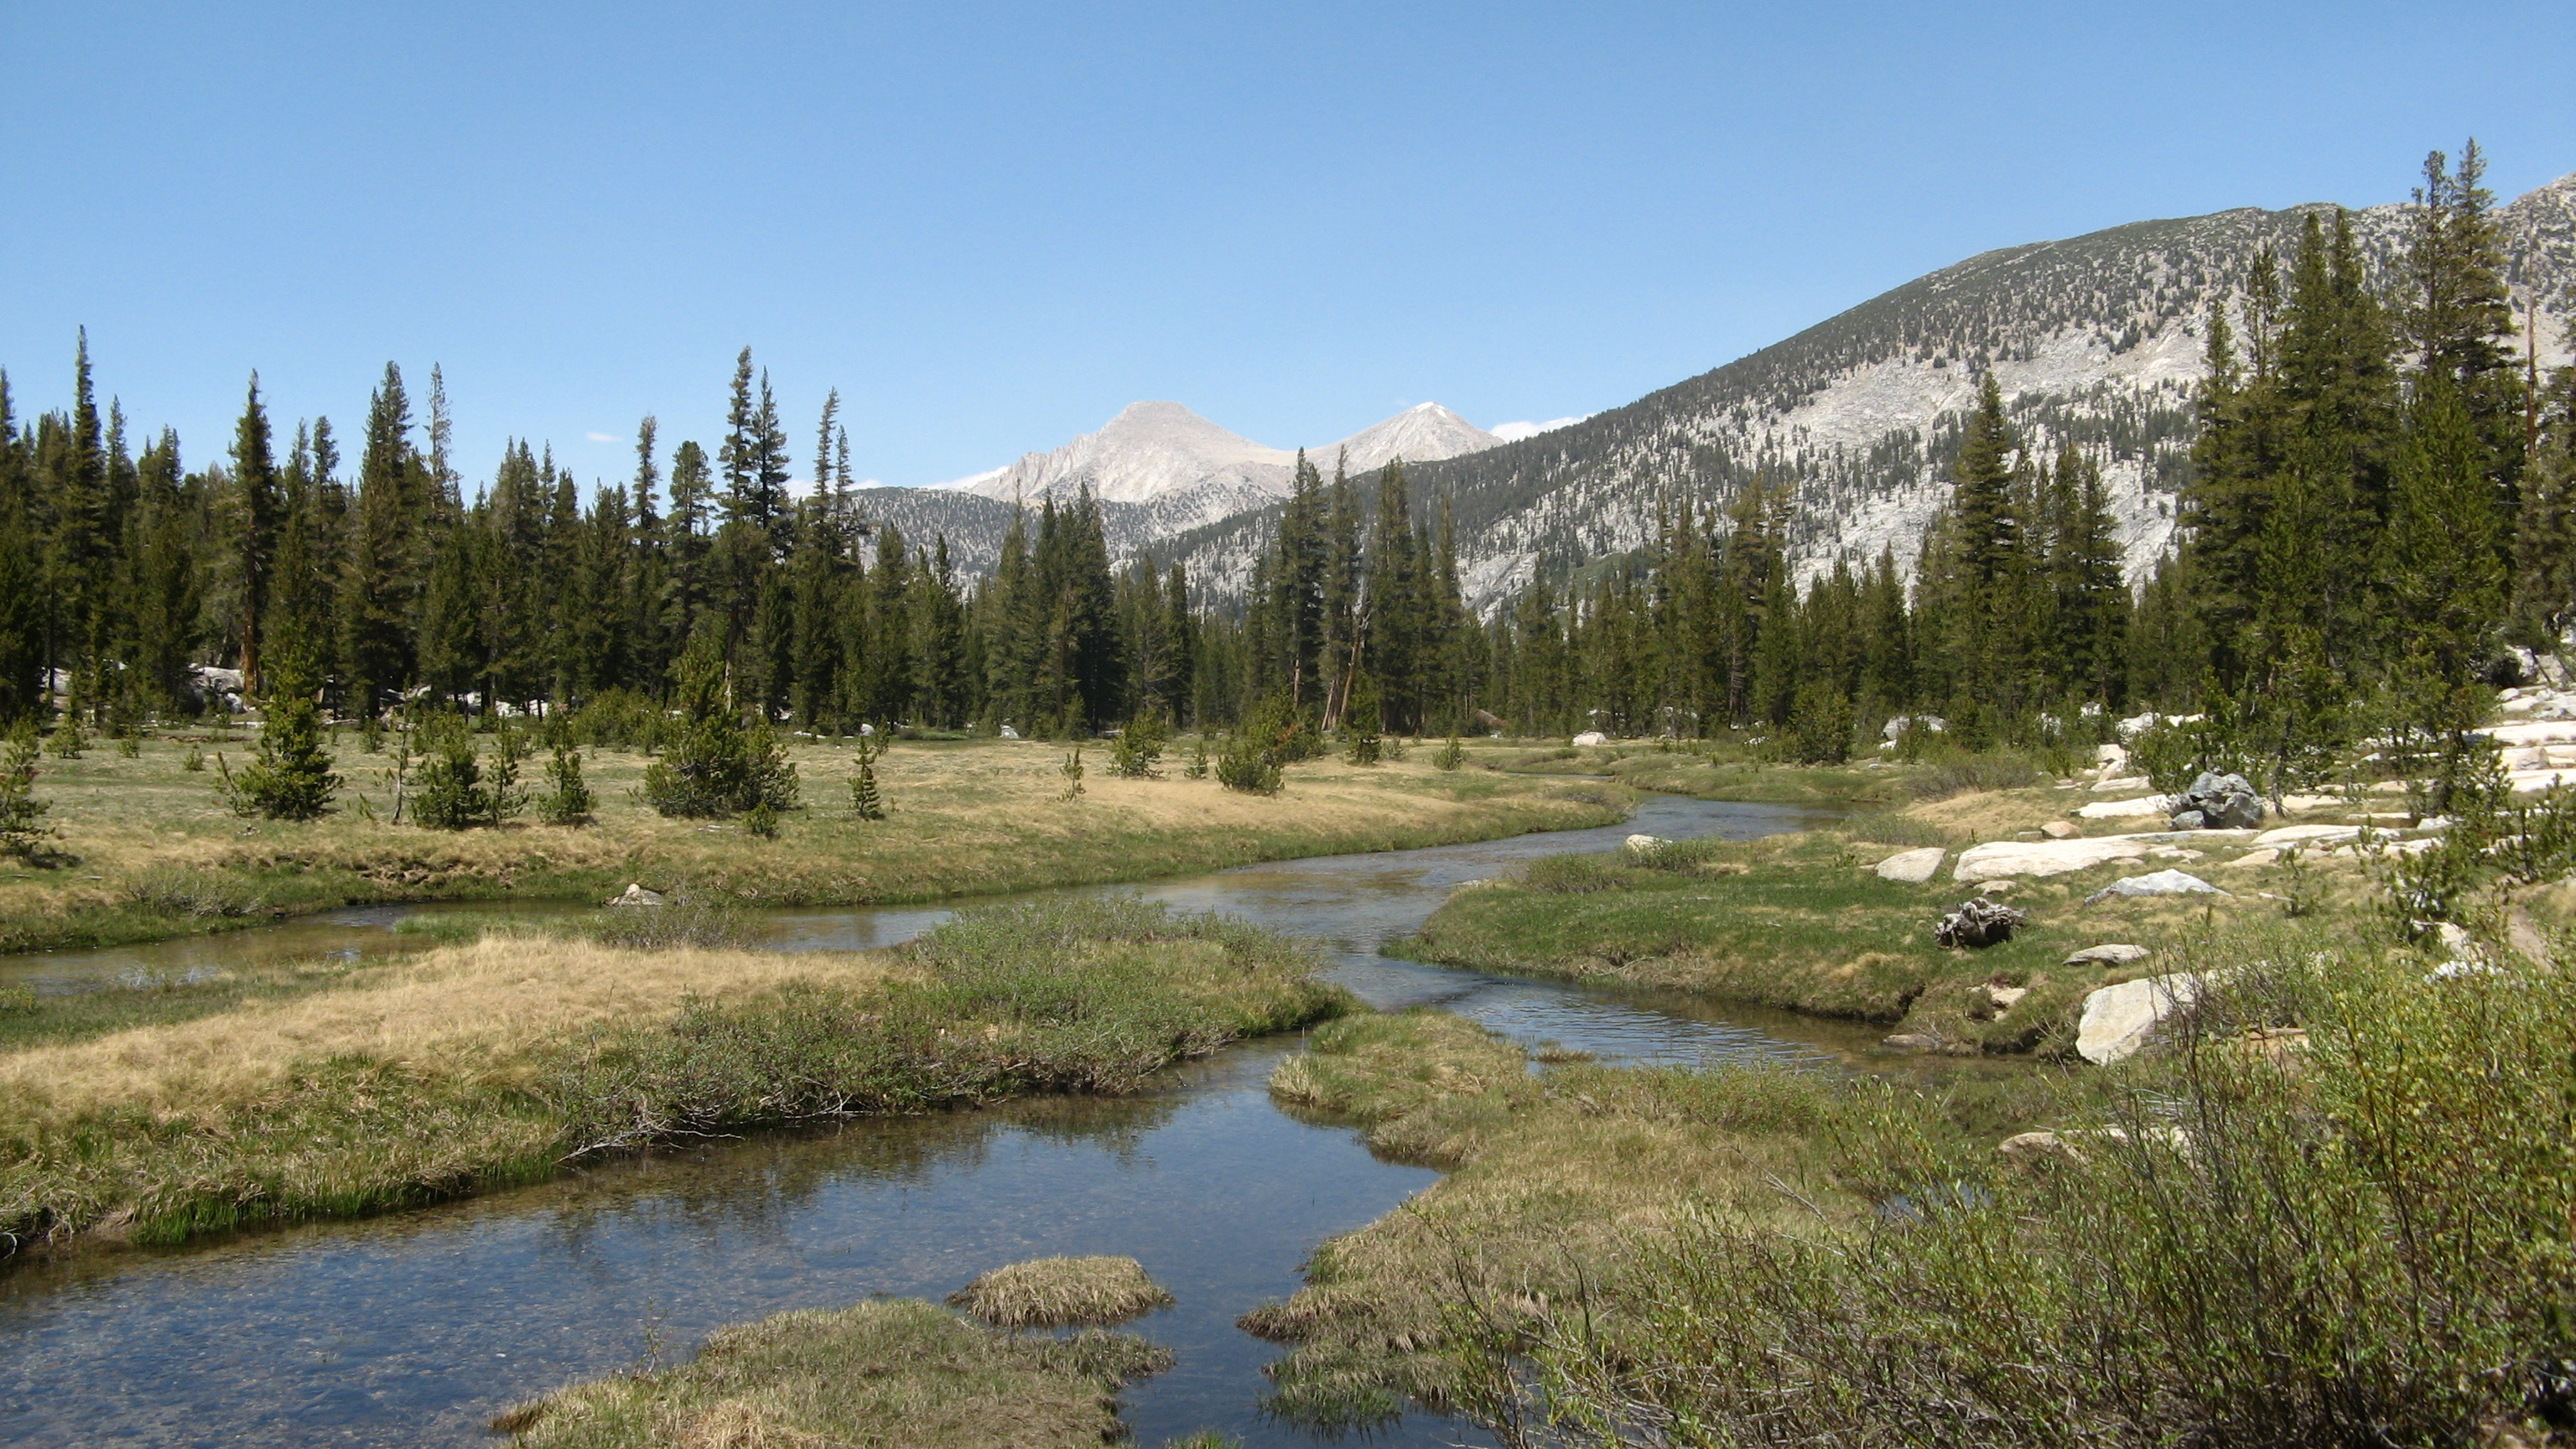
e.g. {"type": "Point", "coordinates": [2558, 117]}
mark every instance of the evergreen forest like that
{"type": "Point", "coordinates": [2378, 517]}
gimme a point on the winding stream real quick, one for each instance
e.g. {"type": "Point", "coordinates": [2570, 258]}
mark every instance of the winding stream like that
{"type": "Point", "coordinates": [415, 1328]}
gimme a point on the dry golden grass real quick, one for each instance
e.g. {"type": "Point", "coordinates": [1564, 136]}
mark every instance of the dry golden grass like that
{"type": "Point", "coordinates": [1092, 1292]}
{"type": "Point", "coordinates": [484, 1011]}
{"type": "Point", "coordinates": [156, 853]}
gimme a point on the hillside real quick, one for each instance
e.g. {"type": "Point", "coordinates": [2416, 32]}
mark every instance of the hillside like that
{"type": "Point", "coordinates": [2097, 338]}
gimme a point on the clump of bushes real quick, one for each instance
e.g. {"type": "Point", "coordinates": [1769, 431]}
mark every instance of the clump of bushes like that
{"type": "Point", "coordinates": [1138, 749]}
{"type": "Point", "coordinates": [453, 791]}
{"type": "Point", "coordinates": [714, 764]}
{"type": "Point", "coordinates": [2361, 1239]}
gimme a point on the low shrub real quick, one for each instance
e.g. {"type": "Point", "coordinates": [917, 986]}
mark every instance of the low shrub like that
{"type": "Point", "coordinates": [2362, 1240]}
{"type": "Point", "coordinates": [1945, 775]}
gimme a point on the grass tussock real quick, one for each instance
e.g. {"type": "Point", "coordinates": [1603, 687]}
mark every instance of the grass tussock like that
{"type": "Point", "coordinates": [2364, 1242]}
{"type": "Point", "coordinates": [892, 1374]}
{"type": "Point", "coordinates": [1089, 1292]}
{"type": "Point", "coordinates": [150, 849]}
{"type": "Point", "coordinates": [494, 1062]}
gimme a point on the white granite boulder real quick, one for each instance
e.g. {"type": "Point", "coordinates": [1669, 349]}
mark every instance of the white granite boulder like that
{"type": "Point", "coordinates": [2121, 1021]}
{"type": "Point", "coordinates": [2156, 883]}
{"type": "Point", "coordinates": [2156, 805]}
{"type": "Point", "coordinates": [1998, 858]}
{"type": "Point", "coordinates": [1912, 867]}
{"type": "Point", "coordinates": [2113, 954]}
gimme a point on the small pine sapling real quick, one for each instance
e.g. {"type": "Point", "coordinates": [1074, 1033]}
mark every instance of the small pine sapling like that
{"type": "Point", "coordinates": [194, 762]}
{"type": "Point", "coordinates": [761, 820]}
{"type": "Point", "coordinates": [21, 813]}
{"type": "Point", "coordinates": [864, 802]}
{"type": "Point", "coordinates": [568, 801]}
{"type": "Point", "coordinates": [1451, 755]}
{"type": "Point", "coordinates": [506, 797]}
{"type": "Point", "coordinates": [1362, 721]}
{"type": "Point", "coordinates": [1071, 769]}
{"type": "Point", "coordinates": [1197, 768]}
{"type": "Point", "coordinates": [1139, 748]}
{"type": "Point", "coordinates": [450, 793]}
{"type": "Point", "coordinates": [290, 777]}
{"type": "Point", "coordinates": [68, 740]}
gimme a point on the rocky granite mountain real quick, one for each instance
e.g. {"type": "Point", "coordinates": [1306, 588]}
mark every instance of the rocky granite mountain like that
{"type": "Point", "coordinates": [2098, 338]}
{"type": "Point", "coordinates": [1159, 470]}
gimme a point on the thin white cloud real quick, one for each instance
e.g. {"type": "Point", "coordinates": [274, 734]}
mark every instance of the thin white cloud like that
{"type": "Point", "coordinates": [1514, 432]}
{"type": "Point", "coordinates": [604, 437]}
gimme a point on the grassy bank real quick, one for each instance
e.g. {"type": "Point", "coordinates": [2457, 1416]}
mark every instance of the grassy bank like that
{"type": "Point", "coordinates": [323, 1092]}
{"type": "Point", "coordinates": [146, 848]}
{"type": "Point", "coordinates": [1555, 1183]}
{"type": "Point", "coordinates": [1802, 922]}
{"type": "Point", "coordinates": [1727, 769]}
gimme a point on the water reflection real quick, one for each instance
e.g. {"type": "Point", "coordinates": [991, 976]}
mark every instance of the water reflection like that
{"type": "Point", "coordinates": [414, 1328]}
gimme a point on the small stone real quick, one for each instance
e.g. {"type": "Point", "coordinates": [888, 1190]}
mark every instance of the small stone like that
{"type": "Point", "coordinates": [2004, 997]}
{"type": "Point", "coordinates": [1590, 738]}
{"type": "Point", "coordinates": [1641, 844]}
{"type": "Point", "coordinates": [2190, 820]}
{"type": "Point", "coordinates": [636, 895]}
{"type": "Point", "coordinates": [2113, 954]}
{"type": "Point", "coordinates": [1912, 867]}
{"type": "Point", "coordinates": [1909, 1041]}
{"type": "Point", "coordinates": [2060, 830]}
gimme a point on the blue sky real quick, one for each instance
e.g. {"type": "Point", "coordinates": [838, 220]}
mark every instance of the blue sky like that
{"type": "Point", "coordinates": [992, 226]}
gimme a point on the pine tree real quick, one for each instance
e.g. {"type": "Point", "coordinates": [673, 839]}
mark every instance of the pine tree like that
{"type": "Point", "coordinates": [255, 486]}
{"type": "Point", "coordinates": [568, 800]}
{"type": "Point", "coordinates": [22, 815]}
{"type": "Point", "coordinates": [290, 778]}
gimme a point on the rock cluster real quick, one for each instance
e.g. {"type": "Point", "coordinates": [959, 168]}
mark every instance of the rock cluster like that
{"type": "Point", "coordinates": [2218, 802]}
{"type": "Point", "coordinates": [1981, 921]}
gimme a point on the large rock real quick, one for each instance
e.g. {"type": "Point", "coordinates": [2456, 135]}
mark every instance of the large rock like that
{"type": "Point", "coordinates": [2121, 1021]}
{"type": "Point", "coordinates": [1589, 738]}
{"type": "Point", "coordinates": [2223, 802]}
{"type": "Point", "coordinates": [1999, 858]}
{"type": "Point", "coordinates": [1913, 867]}
{"type": "Point", "coordinates": [2158, 883]}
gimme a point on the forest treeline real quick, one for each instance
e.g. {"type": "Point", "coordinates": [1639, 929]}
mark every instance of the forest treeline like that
{"type": "Point", "coordinates": [2380, 504]}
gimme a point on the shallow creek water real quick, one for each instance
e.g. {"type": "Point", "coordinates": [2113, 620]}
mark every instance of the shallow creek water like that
{"type": "Point", "coordinates": [416, 1327]}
